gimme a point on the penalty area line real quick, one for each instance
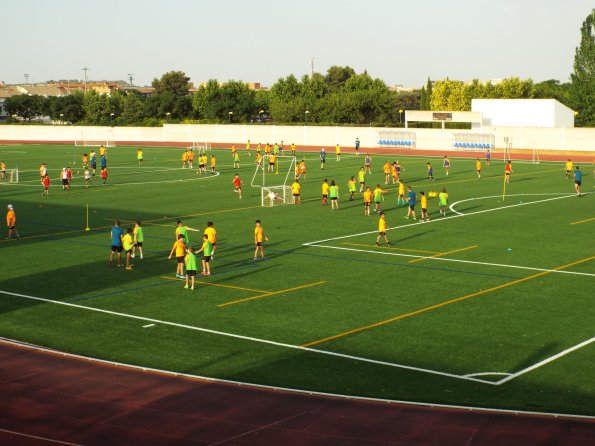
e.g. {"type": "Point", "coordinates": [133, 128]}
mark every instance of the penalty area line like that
{"type": "Point", "coordinates": [249, 338]}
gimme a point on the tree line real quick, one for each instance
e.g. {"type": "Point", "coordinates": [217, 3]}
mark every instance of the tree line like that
{"type": "Point", "coordinates": [339, 97]}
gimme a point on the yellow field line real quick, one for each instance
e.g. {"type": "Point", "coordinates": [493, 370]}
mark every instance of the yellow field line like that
{"type": "Point", "coordinates": [582, 221]}
{"type": "Point", "coordinates": [271, 293]}
{"type": "Point", "coordinates": [390, 247]}
{"type": "Point", "coordinates": [218, 285]}
{"type": "Point", "coordinates": [443, 304]}
{"type": "Point", "coordinates": [442, 254]}
{"type": "Point", "coordinates": [51, 234]}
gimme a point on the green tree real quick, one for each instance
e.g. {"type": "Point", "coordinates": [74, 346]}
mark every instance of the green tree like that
{"type": "Point", "coordinates": [133, 108]}
{"type": "Point", "coordinates": [206, 101]}
{"type": "Point", "coordinates": [174, 82]}
{"type": "Point", "coordinates": [337, 76]}
{"type": "Point", "coordinates": [25, 106]}
{"type": "Point", "coordinates": [515, 88]}
{"type": "Point", "coordinates": [441, 92]}
{"type": "Point", "coordinates": [426, 95]}
{"type": "Point", "coordinates": [582, 89]}
{"type": "Point", "coordinates": [553, 89]}
{"type": "Point", "coordinates": [98, 108]}
{"type": "Point", "coordinates": [167, 105]}
{"type": "Point", "coordinates": [70, 107]}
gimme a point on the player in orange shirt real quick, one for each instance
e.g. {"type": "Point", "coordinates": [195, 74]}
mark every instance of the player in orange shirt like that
{"type": "Point", "coordinates": [367, 201]}
{"type": "Point", "coordinates": [508, 171]}
{"type": "Point", "coordinates": [11, 220]}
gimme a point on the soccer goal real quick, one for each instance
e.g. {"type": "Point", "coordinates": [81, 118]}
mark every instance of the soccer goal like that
{"type": "Point", "coordinates": [280, 174]}
{"type": "Point", "coordinates": [95, 138]}
{"type": "Point", "coordinates": [11, 176]}
{"type": "Point", "coordinates": [271, 195]}
{"type": "Point", "coordinates": [200, 148]}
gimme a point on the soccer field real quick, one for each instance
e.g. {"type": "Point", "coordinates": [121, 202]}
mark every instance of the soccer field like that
{"type": "Point", "coordinates": [490, 306]}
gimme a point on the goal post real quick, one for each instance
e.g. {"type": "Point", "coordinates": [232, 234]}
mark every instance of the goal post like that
{"type": "Point", "coordinates": [95, 138]}
{"type": "Point", "coordinates": [280, 175]}
{"type": "Point", "coordinates": [275, 194]}
{"type": "Point", "coordinates": [10, 176]}
{"type": "Point", "coordinates": [200, 148]}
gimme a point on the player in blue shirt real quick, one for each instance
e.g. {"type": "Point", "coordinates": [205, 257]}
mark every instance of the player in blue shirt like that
{"type": "Point", "coordinates": [116, 238]}
{"type": "Point", "coordinates": [412, 197]}
{"type": "Point", "coordinates": [578, 178]}
{"type": "Point", "coordinates": [322, 158]}
{"type": "Point", "coordinates": [93, 161]}
{"type": "Point", "coordinates": [103, 162]}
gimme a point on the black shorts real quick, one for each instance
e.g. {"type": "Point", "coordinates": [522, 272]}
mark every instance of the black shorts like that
{"type": "Point", "coordinates": [366, 203]}
{"type": "Point", "coordinates": [140, 244]}
{"type": "Point", "coordinates": [271, 164]}
{"type": "Point", "coordinates": [94, 165]}
{"type": "Point", "coordinates": [258, 243]}
{"type": "Point", "coordinates": [202, 166]}
{"type": "Point", "coordinates": [324, 195]}
{"type": "Point", "coordinates": [412, 207]}
{"type": "Point", "coordinates": [382, 233]}
{"type": "Point", "coordinates": [117, 248]}
{"type": "Point", "coordinates": [334, 198]}
{"type": "Point", "coordinates": [296, 195]}
{"type": "Point", "coordinates": [11, 227]}
{"type": "Point", "coordinates": [206, 259]}
{"type": "Point", "coordinates": [191, 272]}
{"type": "Point", "coordinates": [180, 259]}
{"type": "Point", "coordinates": [64, 181]}
{"type": "Point", "coordinates": [424, 209]}
{"type": "Point", "coordinates": [578, 183]}
{"type": "Point", "coordinates": [323, 161]}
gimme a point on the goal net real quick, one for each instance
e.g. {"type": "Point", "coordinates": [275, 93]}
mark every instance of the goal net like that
{"type": "Point", "coordinates": [10, 176]}
{"type": "Point", "coordinates": [272, 195]}
{"type": "Point", "coordinates": [95, 138]}
{"type": "Point", "coordinates": [279, 174]}
{"type": "Point", "coordinates": [200, 148]}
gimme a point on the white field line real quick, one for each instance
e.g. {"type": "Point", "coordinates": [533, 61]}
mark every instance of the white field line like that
{"type": "Point", "coordinates": [288, 389]}
{"type": "Point", "coordinates": [248, 338]}
{"type": "Point", "coordinates": [113, 183]}
{"type": "Point", "coordinates": [545, 361]}
{"type": "Point", "coordinates": [446, 259]}
{"type": "Point", "coordinates": [35, 437]}
{"type": "Point", "coordinates": [452, 206]}
{"type": "Point", "coordinates": [458, 215]}
{"type": "Point", "coordinates": [317, 244]}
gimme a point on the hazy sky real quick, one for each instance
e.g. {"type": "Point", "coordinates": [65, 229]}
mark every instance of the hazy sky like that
{"type": "Point", "coordinates": [401, 42]}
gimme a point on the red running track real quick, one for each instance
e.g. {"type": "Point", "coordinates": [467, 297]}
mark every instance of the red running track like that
{"type": "Point", "coordinates": [51, 399]}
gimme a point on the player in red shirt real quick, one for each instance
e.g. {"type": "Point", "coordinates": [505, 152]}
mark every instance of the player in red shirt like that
{"type": "Point", "coordinates": [508, 171]}
{"type": "Point", "coordinates": [237, 183]}
{"type": "Point", "coordinates": [69, 176]}
{"type": "Point", "coordinates": [46, 186]}
{"type": "Point", "coordinates": [104, 175]}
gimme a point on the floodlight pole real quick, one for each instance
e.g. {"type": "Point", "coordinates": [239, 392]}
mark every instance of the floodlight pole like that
{"type": "Point", "coordinates": [85, 69]}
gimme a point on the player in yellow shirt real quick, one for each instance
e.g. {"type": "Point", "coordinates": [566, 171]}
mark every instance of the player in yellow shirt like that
{"type": "Point", "coordinates": [102, 151]}
{"type": "Point", "coordinates": [443, 201]}
{"type": "Point", "coordinates": [424, 207]}
{"type": "Point", "coordinates": [179, 248]}
{"type": "Point", "coordinates": [568, 167]}
{"type": "Point", "coordinates": [213, 164]}
{"type": "Point", "coordinates": [2, 169]}
{"type": "Point", "coordinates": [296, 188]}
{"type": "Point", "coordinates": [272, 161]}
{"type": "Point", "coordinates": [140, 156]}
{"type": "Point", "coordinates": [367, 201]}
{"type": "Point", "coordinates": [338, 152]}
{"type": "Point", "coordinates": [233, 151]}
{"type": "Point", "coordinates": [85, 160]}
{"type": "Point", "coordinates": [303, 169]}
{"type": "Point", "coordinates": [267, 149]}
{"type": "Point", "coordinates": [190, 159]}
{"type": "Point", "coordinates": [258, 149]}
{"type": "Point", "coordinates": [401, 193]}
{"type": "Point", "coordinates": [184, 159]}
{"type": "Point", "coordinates": [386, 169]}
{"type": "Point", "coordinates": [325, 189]}
{"type": "Point", "coordinates": [211, 234]}
{"type": "Point", "coordinates": [128, 245]}
{"type": "Point", "coordinates": [258, 240]}
{"type": "Point", "coordinates": [382, 228]}
{"type": "Point", "coordinates": [292, 149]}
{"type": "Point", "coordinates": [361, 177]}
{"type": "Point", "coordinates": [248, 148]}
{"type": "Point", "coordinates": [478, 167]}
{"type": "Point", "coordinates": [258, 159]}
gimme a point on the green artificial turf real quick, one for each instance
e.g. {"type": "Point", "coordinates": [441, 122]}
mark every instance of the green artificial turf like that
{"type": "Point", "coordinates": [483, 303]}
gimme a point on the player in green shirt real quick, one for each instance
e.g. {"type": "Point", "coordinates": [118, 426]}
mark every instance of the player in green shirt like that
{"type": "Point", "coordinates": [378, 197]}
{"type": "Point", "coordinates": [443, 201]}
{"type": "Point", "coordinates": [190, 261]}
{"type": "Point", "coordinates": [333, 193]}
{"type": "Point", "coordinates": [183, 230]}
{"type": "Point", "coordinates": [139, 238]}
{"type": "Point", "coordinates": [207, 251]}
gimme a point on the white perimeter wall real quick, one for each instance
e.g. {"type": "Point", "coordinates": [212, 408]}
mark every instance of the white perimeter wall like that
{"type": "Point", "coordinates": [523, 113]}
{"type": "Point", "coordinates": [575, 139]}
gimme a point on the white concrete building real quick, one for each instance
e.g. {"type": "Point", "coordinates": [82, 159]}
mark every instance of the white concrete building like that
{"type": "Point", "coordinates": [548, 113]}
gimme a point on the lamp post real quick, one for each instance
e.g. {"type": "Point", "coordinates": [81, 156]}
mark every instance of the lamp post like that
{"type": "Point", "coordinates": [307, 112]}
{"type": "Point", "coordinates": [167, 116]}
{"type": "Point", "coordinates": [229, 115]}
{"type": "Point", "coordinates": [401, 116]}
{"type": "Point", "coordinates": [61, 118]}
{"type": "Point", "coordinates": [260, 112]}
{"type": "Point", "coordinates": [111, 116]}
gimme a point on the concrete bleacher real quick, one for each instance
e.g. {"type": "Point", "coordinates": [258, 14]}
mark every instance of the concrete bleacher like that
{"type": "Point", "coordinates": [474, 141]}
{"type": "Point", "coordinates": [397, 139]}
